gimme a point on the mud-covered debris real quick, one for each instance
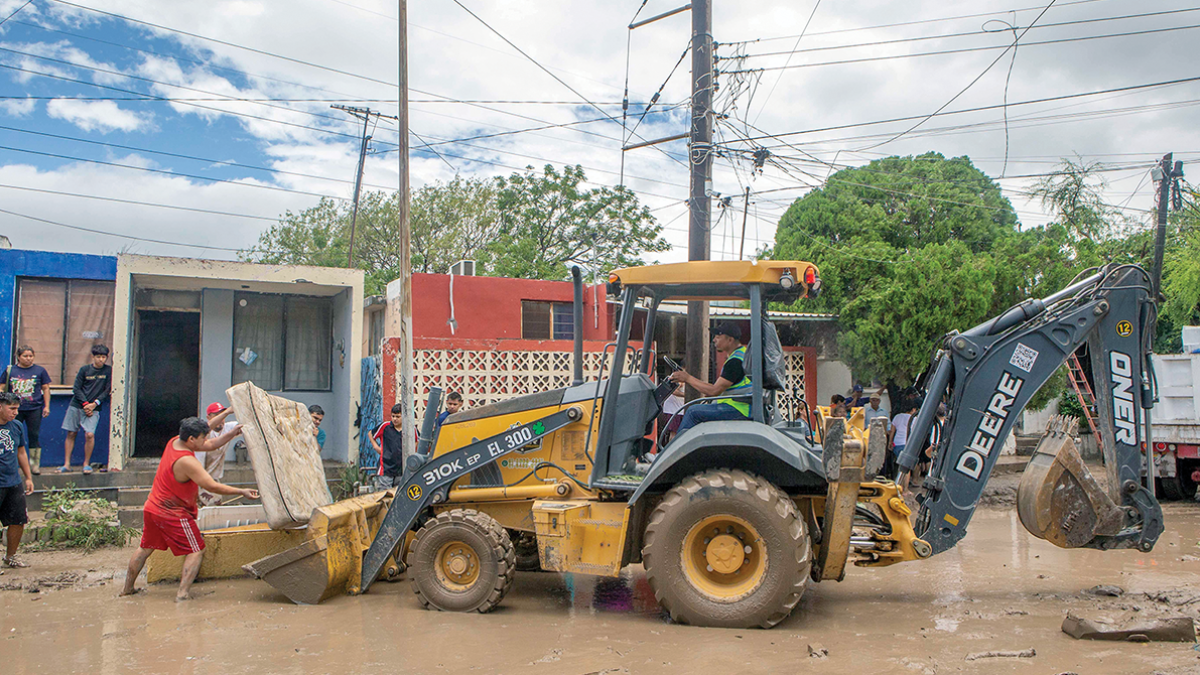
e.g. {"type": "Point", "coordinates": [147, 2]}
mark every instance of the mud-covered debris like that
{"type": "Point", "coordinates": [1107, 590]}
{"type": "Point", "coordinates": [816, 651]}
{"type": "Point", "coordinates": [1002, 653]}
{"type": "Point", "coordinates": [1173, 629]}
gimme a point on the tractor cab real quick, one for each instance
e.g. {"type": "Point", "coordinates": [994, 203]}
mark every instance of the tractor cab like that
{"type": "Point", "coordinates": [631, 400]}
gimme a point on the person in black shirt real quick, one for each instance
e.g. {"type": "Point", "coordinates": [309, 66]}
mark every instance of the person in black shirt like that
{"type": "Point", "coordinates": [388, 441]}
{"type": "Point", "coordinates": [734, 381]}
{"type": "Point", "coordinates": [92, 385]}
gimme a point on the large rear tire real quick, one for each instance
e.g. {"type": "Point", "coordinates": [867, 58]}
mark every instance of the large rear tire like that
{"type": "Point", "coordinates": [461, 561]}
{"type": "Point", "coordinates": [726, 548]}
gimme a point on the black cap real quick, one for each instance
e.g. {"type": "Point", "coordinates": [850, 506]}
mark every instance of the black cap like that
{"type": "Point", "coordinates": [728, 328]}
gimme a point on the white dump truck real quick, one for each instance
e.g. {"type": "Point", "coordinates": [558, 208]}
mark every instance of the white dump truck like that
{"type": "Point", "coordinates": [1176, 428]}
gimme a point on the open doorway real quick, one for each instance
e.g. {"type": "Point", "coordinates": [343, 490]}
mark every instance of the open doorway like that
{"type": "Point", "coordinates": [168, 377]}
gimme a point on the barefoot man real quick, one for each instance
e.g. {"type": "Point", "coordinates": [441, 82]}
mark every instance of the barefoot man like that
{"type": "Point", "coordinates": [169, 516]}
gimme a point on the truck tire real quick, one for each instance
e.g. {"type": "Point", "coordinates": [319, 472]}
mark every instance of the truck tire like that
{"type": "Point", "coordinates": [1170, 488]}
{"type": "Point", "coordinates": [725, 548]}
{"type": "Point", "coordinates": [461, 561]}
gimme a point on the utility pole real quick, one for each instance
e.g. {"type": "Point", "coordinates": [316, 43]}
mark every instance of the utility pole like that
{"type": "Point", "coordinates": [745, 212]}
{"type": "Point", "coordinates": [364, 114]}
{"type": "Point", "coordinates": [1167, 174]}
{"type": "Point", "coordinates": [699, 207]}
{"type": "Point", "coordinates": [404, 302]}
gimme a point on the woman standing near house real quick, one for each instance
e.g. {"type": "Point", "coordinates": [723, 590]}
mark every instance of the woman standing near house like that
{"type": "Point", "coordinates": [32, 383]}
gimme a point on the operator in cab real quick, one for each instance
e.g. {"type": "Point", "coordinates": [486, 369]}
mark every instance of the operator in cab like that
{"type": "Point", "coordinates": [734, 382]}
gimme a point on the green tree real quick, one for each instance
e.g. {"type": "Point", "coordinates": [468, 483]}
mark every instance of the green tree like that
{"type": "Point", "coordinates": [548, 222]}
{"type": "Point", "coordinates": [320, 236]}
{"type": "Point", "coordinates": [526, 225]}
{"type": "Point", "coordinates": [906, 248]}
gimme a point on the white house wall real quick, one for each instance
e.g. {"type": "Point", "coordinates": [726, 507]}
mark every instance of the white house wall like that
{"type": "Point", "coordinates": [219, 281]}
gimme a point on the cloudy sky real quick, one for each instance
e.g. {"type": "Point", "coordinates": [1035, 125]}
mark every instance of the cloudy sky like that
{"type": "Point", "coordinates": [167, 127]}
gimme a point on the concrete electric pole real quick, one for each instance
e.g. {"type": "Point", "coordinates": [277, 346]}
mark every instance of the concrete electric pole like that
{"type": "Point", "coordinates": [400, 306]}
{"type": "Point", "coordinates": [1167, 174]}
{"type": "Point", "coordinates": [364, 114]}
{"type": "Point", "coordinates": [700, 154]}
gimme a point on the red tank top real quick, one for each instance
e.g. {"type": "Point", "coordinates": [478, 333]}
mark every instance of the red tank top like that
{"type": "Point", "coordinates": [168, 497]}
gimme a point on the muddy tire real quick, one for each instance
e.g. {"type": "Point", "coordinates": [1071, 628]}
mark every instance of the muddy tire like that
{"type": "Point", "coordinates": [528, 558]}
{"type": "Point", "coordinates": [725, 548]}
{"type": "Point", "coordinates": [461, 561]}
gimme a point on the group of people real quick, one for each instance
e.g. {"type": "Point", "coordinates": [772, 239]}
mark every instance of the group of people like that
{"type": "Point", "coordinates": [388, 441]}
{"type": "Point", "coordinates": [898, 427]}
{"type": "Point", "coordinates": [31, 382]}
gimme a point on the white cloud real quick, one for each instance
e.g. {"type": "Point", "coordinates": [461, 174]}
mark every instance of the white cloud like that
{"type": "Point", "coordinates": [102, 116]}
{"type": "Point", "coordinates": [452, 54]}
{"type": "Point", "coordinates": [18, 107]}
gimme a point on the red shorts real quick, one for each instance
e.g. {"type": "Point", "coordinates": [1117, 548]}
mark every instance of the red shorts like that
{"type": "Point", "coordinates": [181, 535]}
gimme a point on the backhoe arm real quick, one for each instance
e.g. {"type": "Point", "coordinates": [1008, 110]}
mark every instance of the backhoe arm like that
{"type": "Point", "coordinates": [991, 371]}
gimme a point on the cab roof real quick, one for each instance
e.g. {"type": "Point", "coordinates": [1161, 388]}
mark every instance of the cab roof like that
{"type": "Point", "coordinates": [716, 279]}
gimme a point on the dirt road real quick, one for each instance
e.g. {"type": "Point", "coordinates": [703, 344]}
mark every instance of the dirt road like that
{"type": "Point", "coordinates": [1001, 590]}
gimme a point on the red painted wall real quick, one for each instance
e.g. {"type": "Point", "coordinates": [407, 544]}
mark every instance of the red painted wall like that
{"type": "Point", "coordinates": [490, 307]}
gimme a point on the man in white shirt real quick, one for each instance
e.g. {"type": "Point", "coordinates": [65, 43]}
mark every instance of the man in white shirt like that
{"type": "Point", "coordinates": [899, 437]}
{"type": "Point", "coordinates": [214, 460]}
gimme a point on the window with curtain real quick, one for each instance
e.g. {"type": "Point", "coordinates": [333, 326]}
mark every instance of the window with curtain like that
{"type": "Point", "coordinates": [308, 351]}
{"type": "Point", "coordinates": [283, 343]}
{"type": "Point", "coordinates": [62, 320]}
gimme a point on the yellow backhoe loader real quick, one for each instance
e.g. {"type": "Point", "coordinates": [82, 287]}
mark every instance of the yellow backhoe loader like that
{"type": "Point", "coordinates": [733, 519]}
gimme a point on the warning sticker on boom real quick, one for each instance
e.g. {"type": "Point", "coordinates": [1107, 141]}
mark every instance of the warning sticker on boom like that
{"type": "Point", "coordinates": [1024, 357]}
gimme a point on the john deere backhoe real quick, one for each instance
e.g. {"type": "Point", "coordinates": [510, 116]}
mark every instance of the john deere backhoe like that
{"type": "Point", "coordinates": [733, 519]}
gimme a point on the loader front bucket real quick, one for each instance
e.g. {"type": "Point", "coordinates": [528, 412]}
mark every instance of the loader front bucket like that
{"type": "Point", "coordinates": [1058, 499]}
{"type": "Point", "coordinates": [330, 559]}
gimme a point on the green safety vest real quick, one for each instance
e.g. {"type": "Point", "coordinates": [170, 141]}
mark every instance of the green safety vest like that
{"type": "Point", "coordinates": [742, 388]}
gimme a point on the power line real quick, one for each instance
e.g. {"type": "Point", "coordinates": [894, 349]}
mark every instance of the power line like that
{"type": "Point", "coordinates": [945, 36]}
{"type": "Point", "coordinates": [177, 155]}
{"type": "Point", "coordinates": [1023, 122]}
{"type": "Point", "coordinates": [16, 11]}
{"type": "Point", "coordinates": [114, 234]}
{"type": "Point", "coordinates": [963, 50]}
{"type": "Point", "coordinates": [106, 71]}
{"type": "Point", "coordinates": [259, 186]}
{"type": "Point", "coordinates": [799, 37]}
{"type": "Point", "coordinates": [153, 97]}
{"type": "Point", "coordinates": [226, 43]}
{"type": "Point", "coordinates": [551, 74]}
{"type": "Point", "coordinates": [912, 23]}
{"type": "Point", "coordinates": [1047, 99]}
{"type": "Point", "coordinates": [137, 203]}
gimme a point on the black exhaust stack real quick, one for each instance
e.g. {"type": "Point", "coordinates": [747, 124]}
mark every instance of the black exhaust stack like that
{"type": "Point", "coordinates": [577, 280]}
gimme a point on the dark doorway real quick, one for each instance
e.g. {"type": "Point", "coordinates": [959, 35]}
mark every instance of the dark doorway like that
{"type": "Point", "coordinates": [168, 387]}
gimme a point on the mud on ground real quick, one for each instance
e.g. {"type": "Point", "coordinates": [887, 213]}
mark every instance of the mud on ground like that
{"type": "Point", "coordinates": [1000, 592]}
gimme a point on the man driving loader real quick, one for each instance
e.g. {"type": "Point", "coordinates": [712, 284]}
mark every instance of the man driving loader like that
{"type": "Point", "coordinates": [734, 380]}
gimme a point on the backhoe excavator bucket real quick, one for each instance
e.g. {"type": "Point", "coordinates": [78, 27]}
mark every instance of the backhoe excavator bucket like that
{"type": "Point", "coordinates": [1058, 499]}
{"type": "Point", "coordinates": [330, 559]}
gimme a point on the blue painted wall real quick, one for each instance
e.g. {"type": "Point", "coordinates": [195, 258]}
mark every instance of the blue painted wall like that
{"type": "Point", "coordinates": [46, 264]}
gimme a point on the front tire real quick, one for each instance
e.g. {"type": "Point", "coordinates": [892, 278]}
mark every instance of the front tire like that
{"type": "Point", "coordinates": [461, 561]}
{"type": "Point", "coordinates": [725, 548]}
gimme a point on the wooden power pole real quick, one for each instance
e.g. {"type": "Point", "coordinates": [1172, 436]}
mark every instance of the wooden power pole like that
{"type": "Point", "coordinates": [699, 205]}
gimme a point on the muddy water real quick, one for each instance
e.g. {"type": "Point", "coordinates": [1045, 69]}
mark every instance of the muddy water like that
{"type": "Point", "coordinates": [1000, 590]}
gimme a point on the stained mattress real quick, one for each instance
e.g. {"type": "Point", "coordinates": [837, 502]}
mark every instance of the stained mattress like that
{"type": "Point", "coordinates": [284, 454]}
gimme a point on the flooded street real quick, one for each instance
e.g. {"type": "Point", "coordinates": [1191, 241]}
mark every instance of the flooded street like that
{"type": "Point", "coordinates": [1000, 590]}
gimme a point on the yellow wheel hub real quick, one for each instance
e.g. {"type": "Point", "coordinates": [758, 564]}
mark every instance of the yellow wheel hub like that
{"type": "Point", "coordinates": [457, 565]}
{"type": "Point", "coordinates": [724, 558]}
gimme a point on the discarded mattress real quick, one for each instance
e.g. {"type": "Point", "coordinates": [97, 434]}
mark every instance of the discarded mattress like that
{"type": "Point", "coordinates": [284, 454]}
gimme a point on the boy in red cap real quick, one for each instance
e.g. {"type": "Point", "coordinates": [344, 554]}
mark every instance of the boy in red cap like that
{"type": "Point", "coordinates": [169, 516]}
{"type": "Point", "coordinates": [214, 460]}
